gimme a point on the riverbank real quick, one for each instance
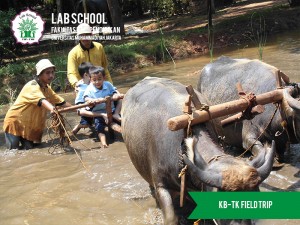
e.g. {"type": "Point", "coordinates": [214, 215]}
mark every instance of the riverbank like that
{"type": "Point", "coordinates": [175, 38]}
{"type": "Point", "coordinates": [149, 41]}
{"type": "Point", "coordinates": [241, 24]}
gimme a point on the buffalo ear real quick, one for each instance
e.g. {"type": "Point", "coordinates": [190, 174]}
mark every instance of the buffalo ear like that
{"type": "Point", "coordinates": [193, 154]}
{"type": "Point", "coordinates": [199, 161]}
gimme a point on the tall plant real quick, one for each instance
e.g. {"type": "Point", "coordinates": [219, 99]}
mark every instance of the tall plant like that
{"type": "Point", "coordinates": [259, 34]}
{"type": "Point", "coordinates": [163, 43]}
{"type": "Point", "coordinates": [210, 29]}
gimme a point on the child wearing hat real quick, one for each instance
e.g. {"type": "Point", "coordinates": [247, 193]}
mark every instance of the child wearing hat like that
{"type": "Point", "coordinates": [25, 120]}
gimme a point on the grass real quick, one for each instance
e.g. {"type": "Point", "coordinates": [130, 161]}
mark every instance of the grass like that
{"type": "Point", "coordinates": [161, 46]}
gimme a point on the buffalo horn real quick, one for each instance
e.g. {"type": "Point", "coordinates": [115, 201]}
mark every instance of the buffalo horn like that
{"type": "Point", "coordinates": [207, 177]}
{"type": "Point", "coordinates": [293, 103]}
{"type": "Point", "coordinates": [259, 160]}
{"type": "Point", "coordinates": [266, 168]}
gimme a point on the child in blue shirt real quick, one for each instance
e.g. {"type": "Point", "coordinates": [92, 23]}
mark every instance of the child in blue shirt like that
{"type": "Point", "coordinates": [82, 84]}
{"type": "Point", "coordinates": [99, 89]}
{"type": "Point", "coordinates": [87, 116]}
{"type": "Point", "coordinates": [80, 89]}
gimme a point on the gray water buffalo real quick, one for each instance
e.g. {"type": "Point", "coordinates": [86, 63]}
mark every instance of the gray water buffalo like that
{"type": "Point", "coordinates": [159, 154]}
{"type": "Point", "coordinates": [217, 83]}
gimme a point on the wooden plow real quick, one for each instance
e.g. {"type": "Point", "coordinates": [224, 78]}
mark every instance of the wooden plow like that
{"type": "Point", "coordinates": [107, 100]}
{"type": "Point", "coordinates": [250, 103]}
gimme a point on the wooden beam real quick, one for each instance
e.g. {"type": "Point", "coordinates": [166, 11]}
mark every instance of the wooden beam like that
{"type": "Point", "coordinates": [201, 116]}
{"type": "Point", "coordinates": [195, 100]}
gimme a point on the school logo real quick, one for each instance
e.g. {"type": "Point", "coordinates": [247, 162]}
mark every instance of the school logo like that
{"type": "Point", "coordinates": [27, 27]}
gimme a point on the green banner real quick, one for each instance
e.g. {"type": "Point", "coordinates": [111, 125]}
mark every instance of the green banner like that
{"type": "Point", "coordinates": [246, 205]}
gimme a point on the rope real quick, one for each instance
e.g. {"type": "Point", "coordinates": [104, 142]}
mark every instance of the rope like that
{"type": "Point", "coordinates": [266, 127]}
{"type": "Point", "coordinates": [182, 172]}
{"type": "Point", "coordinates": [214, 126]}
{"type": "Point", "coordinates": [189, 129]}
{"type": "Point", "coordinates": [215, 158]}
{"type": "Point", "coordinates": [251, 101]}
{"type": "Point", "coordinates": [57, 125]}
{"type": "Point", "coordinates": [197, 222]}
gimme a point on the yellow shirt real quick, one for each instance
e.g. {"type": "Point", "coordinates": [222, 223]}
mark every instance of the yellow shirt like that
{"type": "Point", "coordinates": [95, 55]}
{"type": "Point", "coordinates": [26, 117]}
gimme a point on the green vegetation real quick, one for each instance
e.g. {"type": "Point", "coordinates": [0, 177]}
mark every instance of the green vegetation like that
{"type": "Point", "coordinates": [7, 42]}
{"type": "Point", "coordinates": [158, 47]}
{"type": "Point", "coordinates": [259, 34]}
{"type": "Point", "coordinates": [14, 76]}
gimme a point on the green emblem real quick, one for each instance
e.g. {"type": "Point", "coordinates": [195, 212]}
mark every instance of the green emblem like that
{"type": "Point", "coordinates": [27, 28]}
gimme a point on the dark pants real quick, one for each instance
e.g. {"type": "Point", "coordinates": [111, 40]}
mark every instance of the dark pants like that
{"type": "Point", "coordinates": [99, 124]}
{"type": "Point", "coordinates": [13, 142]}
{"type": "Point", "coordinates": [86, 121]}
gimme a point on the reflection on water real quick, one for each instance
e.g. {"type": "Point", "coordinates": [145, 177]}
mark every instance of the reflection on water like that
{"type": "Point", "coordinates": [39, 188]}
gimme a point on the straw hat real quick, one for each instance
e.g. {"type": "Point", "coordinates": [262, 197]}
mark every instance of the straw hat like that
{"type": "Point", "coordinates": [43, 64]}
{"type": "Point", "coordinates": [84, 28]}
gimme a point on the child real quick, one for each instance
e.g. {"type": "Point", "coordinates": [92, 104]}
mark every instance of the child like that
{"type": "Point", "coordinates": [80, 88]}
{"type": "Point", "coordinates": [99, 88]}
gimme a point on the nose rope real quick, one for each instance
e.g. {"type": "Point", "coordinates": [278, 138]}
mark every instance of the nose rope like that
{"type": "Point", "coordinates": [216, 158]}
{"type": "Point", "coordinates": [266, 127]}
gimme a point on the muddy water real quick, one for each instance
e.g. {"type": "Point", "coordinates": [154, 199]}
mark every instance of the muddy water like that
{"type": "Point", "coordinates": [41, 188]}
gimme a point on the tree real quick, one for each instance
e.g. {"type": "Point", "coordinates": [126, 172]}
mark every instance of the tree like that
{"type": "Point", "coordinates": [65, 6]}
{"type": "Point", "coordinates": [294, 3]}
{"type": "Point", "coordinates": [198, 7]}
{"type": "Point", "coordinates": [116, 14]}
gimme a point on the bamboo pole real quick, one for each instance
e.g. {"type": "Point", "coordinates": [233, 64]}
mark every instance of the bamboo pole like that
{"type": "Point", "coordinates": [180, 122]}
{"type": "Point", "coordinates": [97, 101]}
{"type": "Point", "coordinates": [284, 77]}
{"type": "Point", "coordinates": [108, 109]}
{"type": "Point", "coordinates": [195, 99]}
{"type": "Point", "coordinates": [74, 107]}
{"type": "Point", "coordinates": [239, 116]}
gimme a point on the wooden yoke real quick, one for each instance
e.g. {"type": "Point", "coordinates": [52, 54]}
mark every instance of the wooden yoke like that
{"type": "Point", "coordinates": [108, 100]}
{"type": "Point", "coordinates": [74, 107]}
{"type": "Point", "coordinates": [196, 102]}
{"type": "Point", "coordinates": [240, 89]}
{"type": "Point", "coordinates": [280, 76]}
{"type": "Point", "coordinates": [108, 109]}
{"type": "Point", "coordinates": [187, 108]}
{"type": "Point", "coordinates": [180, 122]}
{"type": "Point", "coordinates": [112, 125]}
{"type": "Point", "coordinates": [249, 113]}
{"type": "Point", "coordinates": [284, 77]}
{"type": "Point", "coordinates": [278, 79]}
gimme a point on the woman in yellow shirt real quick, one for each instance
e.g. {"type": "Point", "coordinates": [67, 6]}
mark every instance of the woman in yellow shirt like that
{"type": "Point", "coordinates": [25, 120]}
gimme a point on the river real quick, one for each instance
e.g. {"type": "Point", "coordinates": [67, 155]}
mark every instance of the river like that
{"type": "Point", "coordinates": [41, 188]}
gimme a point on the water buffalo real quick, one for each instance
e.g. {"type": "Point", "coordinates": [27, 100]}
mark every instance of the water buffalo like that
{"type": "Point", "coordinates": [217, 84]}
{"type": "Point", "coordinates": [158, 154]}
